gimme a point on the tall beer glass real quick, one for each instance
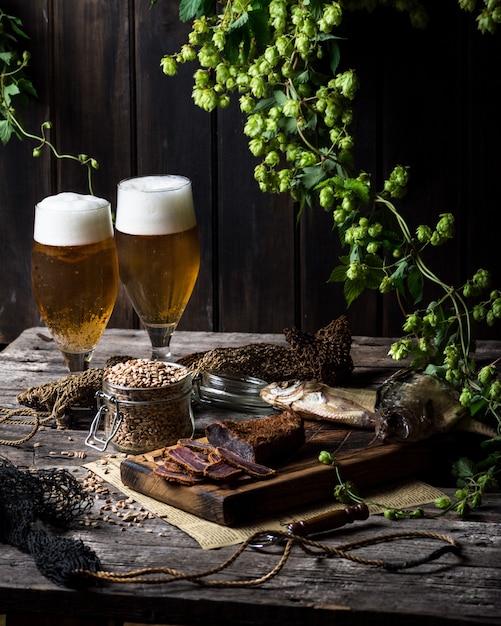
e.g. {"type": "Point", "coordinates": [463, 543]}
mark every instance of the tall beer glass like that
{"type": "Point", "coordinates": [74, 272]}
{"type": "Point", "coordinates": [158, 252]}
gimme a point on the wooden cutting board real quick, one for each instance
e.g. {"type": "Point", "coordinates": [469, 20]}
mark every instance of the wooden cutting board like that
{"type": "Point", "coordinates": [301, 481]}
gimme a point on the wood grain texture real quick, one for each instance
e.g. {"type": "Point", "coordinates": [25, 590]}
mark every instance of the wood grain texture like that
{"type": "Point", "coordinates": [309, 591]}
{"type": "Point", "coordinates": [302, 479]}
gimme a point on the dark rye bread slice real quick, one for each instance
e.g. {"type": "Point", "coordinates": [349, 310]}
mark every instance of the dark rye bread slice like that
{"type": "Point", "coordinates": [264, 440]}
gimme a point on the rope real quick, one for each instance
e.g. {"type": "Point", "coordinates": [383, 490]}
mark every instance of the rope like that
{"type": "Point", "coordinates": [159, 575]}
{"type": "Point", "coordinates": [56, 396]}
{"type": "Point", "coordinates": [49, 402]}
{"type": "Point", "coordinates": [38, 419]}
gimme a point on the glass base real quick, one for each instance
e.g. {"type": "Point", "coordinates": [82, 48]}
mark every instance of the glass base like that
{"type": "Point", "coordinates": [78, 362]}
{"type": "Point", "coordinates": [160, 337]}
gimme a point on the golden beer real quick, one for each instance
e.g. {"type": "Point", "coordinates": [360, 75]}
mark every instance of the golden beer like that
{"type": "Point", "coordinates": [75, 288]}
{"type": "Point", "coordinates": [74, 272]}
{"type": "Point", "coordinates": [158, 252]}
{"type": "Point", "coordinates": [159, 273]}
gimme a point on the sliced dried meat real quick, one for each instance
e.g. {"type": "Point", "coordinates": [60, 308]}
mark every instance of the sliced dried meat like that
{"type": "Point", "coordinates": [181, 478]}
{"type": "Point", "coordinates": [197, 445]}
{"type": "Point", "coordinates": [249, 467]}
{"type": "Point", "coordinates": [220, 470]}
{"type": "Point", "coordinates": [188, 459]}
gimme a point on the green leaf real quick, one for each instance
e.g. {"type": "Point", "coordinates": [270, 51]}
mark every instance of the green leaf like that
{"type": "Point", "coordinates": [239, 23]}
{"type": "Point", "coordinates": [338, 274]}
{"type": "Point", "coordinates": [334, 55]}
{"type": "Point", "coordinates": [399, 275]}
{"type": "Point", "coordinates": [446, 332]}
{"type": "Point", "coordinates": [16, 24]}
{"type": "Point", "coordinates": [352, 289]}
{"type": "Point", "coordinates": [259, 24]}
{"type": "Point", "coordinates": [9, 91]}
{"type": "Point", "coordinates": [188, 9]}
{"type": "Point", "coordinates": [415, 284]}
{"type": "Point", "coordinates": [280, 96]}
{"type": "Point", "coordinates": [289, 125]}
{"type": "Point", "coordinates": [303, 77]}
{"type": "Point", "coordinates": [317, 8]}
{"type": "Point", "coordinates": [464, 468]}
{"type": "Point", "coordinates": [376, 274]}
{"type": "Point", "coordinates": [235, 39]}
{"type": "Point", "coordinates": [477, 406]}
{"type": "Point", "coordinates": [436, 370]}
{"type": "Point", "coordinates": [5, 131]}
{"type": "Point", "coordinates": [359, 188]}
{"type": "Point", "coordinates": [6, 57]}
{"type": "Point", "coordinates": [357, 253]}
{"type": "Point", "coordinates": [312, 176]}
{"type": "Point", "coordinates": [266, 103]}
{"type": "Point", "coordinates": [27, 87]}
{"type": "Point", "coordinates": [311, 125]}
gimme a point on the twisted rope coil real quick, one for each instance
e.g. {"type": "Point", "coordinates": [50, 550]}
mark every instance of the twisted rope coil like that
{"type": "Point", "coordinates": [160, 575]}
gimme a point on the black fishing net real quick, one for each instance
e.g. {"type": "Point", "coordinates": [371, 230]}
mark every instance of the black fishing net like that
{"type": "Point", "coordinates": [36, 506]}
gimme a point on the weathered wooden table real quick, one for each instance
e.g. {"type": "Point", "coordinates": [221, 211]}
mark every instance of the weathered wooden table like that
{"type": "Point", "coordinates": [309, 590]}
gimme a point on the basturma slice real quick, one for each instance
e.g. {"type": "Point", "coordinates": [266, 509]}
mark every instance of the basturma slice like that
{"type": "Point", "coordinates": [264, 440]}
{"type": "Point", "coordinates": [249, 467]}
{"type": "Point", "coordinates": [188, 460]}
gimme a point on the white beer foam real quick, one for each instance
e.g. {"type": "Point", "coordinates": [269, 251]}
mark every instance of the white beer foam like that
{"type": "Point", "coordinates": [72, 219]}
{"type": "Point", "coordinates": [155, 205]}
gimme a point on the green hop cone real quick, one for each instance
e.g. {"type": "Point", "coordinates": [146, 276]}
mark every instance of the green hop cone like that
{"type": "Point", "coordinates": [442, 503]}
{"type": "Point", "coordinates": [495, 391]}
{"type": "Point", "coordinates": [386, 285]}
{"type": "Point", "coordinates": [463, 508]}
{"type": "Point", "coordinates": [168, 65]}
{"type": "Point", "coordinates": [486, 374]}
{"type": "Point", "coordinates": [389, 514]}
{"type": "Point", "coordinates": [326, 458]}
{"type": "Point", "coordinates": [423, 233]}
{"type": "Point", "coordinates": [482, 279]}
{"type": "Point", "coordinates": [326, 197]}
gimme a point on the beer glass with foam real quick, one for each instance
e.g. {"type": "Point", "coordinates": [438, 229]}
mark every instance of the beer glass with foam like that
{"type": "Point", "coordinates": [158, 250]}
{"type": "Point", "coordinates": [74, 272]}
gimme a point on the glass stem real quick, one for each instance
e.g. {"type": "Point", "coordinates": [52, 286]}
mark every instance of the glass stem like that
{"type": "Point", "coordinates": [160, 337]}
{"type": "Point", "coordinates": [78, 362]}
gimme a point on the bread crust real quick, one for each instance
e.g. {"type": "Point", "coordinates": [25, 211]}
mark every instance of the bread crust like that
{"type": "Point", "coordinates": [265, 440]}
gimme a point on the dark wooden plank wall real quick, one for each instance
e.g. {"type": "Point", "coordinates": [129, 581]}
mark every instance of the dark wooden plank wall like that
{"type": "Point", "coordinates": [428, 99]}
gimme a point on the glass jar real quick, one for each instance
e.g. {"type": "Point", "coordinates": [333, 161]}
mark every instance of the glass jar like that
{"type": "Point", "coordinates": [231, 391]}
{"type": "Point", "coordinates": [141, 419]}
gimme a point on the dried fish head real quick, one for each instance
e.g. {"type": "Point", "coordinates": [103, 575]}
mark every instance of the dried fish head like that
{"type": "Point", "coordinates": [284, 393]}
{"type": "Point", "coordinates": [412, 406]}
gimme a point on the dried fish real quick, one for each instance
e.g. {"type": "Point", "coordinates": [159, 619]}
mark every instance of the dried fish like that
{"type": "Point", "coordinates": [412, 406]}
{"type": "Point", "coordinates": [314, 400]}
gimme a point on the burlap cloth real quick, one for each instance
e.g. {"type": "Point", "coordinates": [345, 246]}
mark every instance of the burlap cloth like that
{"type": "Point", "coordinates": [210, 535]}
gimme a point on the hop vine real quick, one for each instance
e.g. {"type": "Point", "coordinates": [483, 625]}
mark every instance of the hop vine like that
{"type": "Point", "coordinates": [281, 60]}
{"type": "Point", "coordinates": [16, 90]}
